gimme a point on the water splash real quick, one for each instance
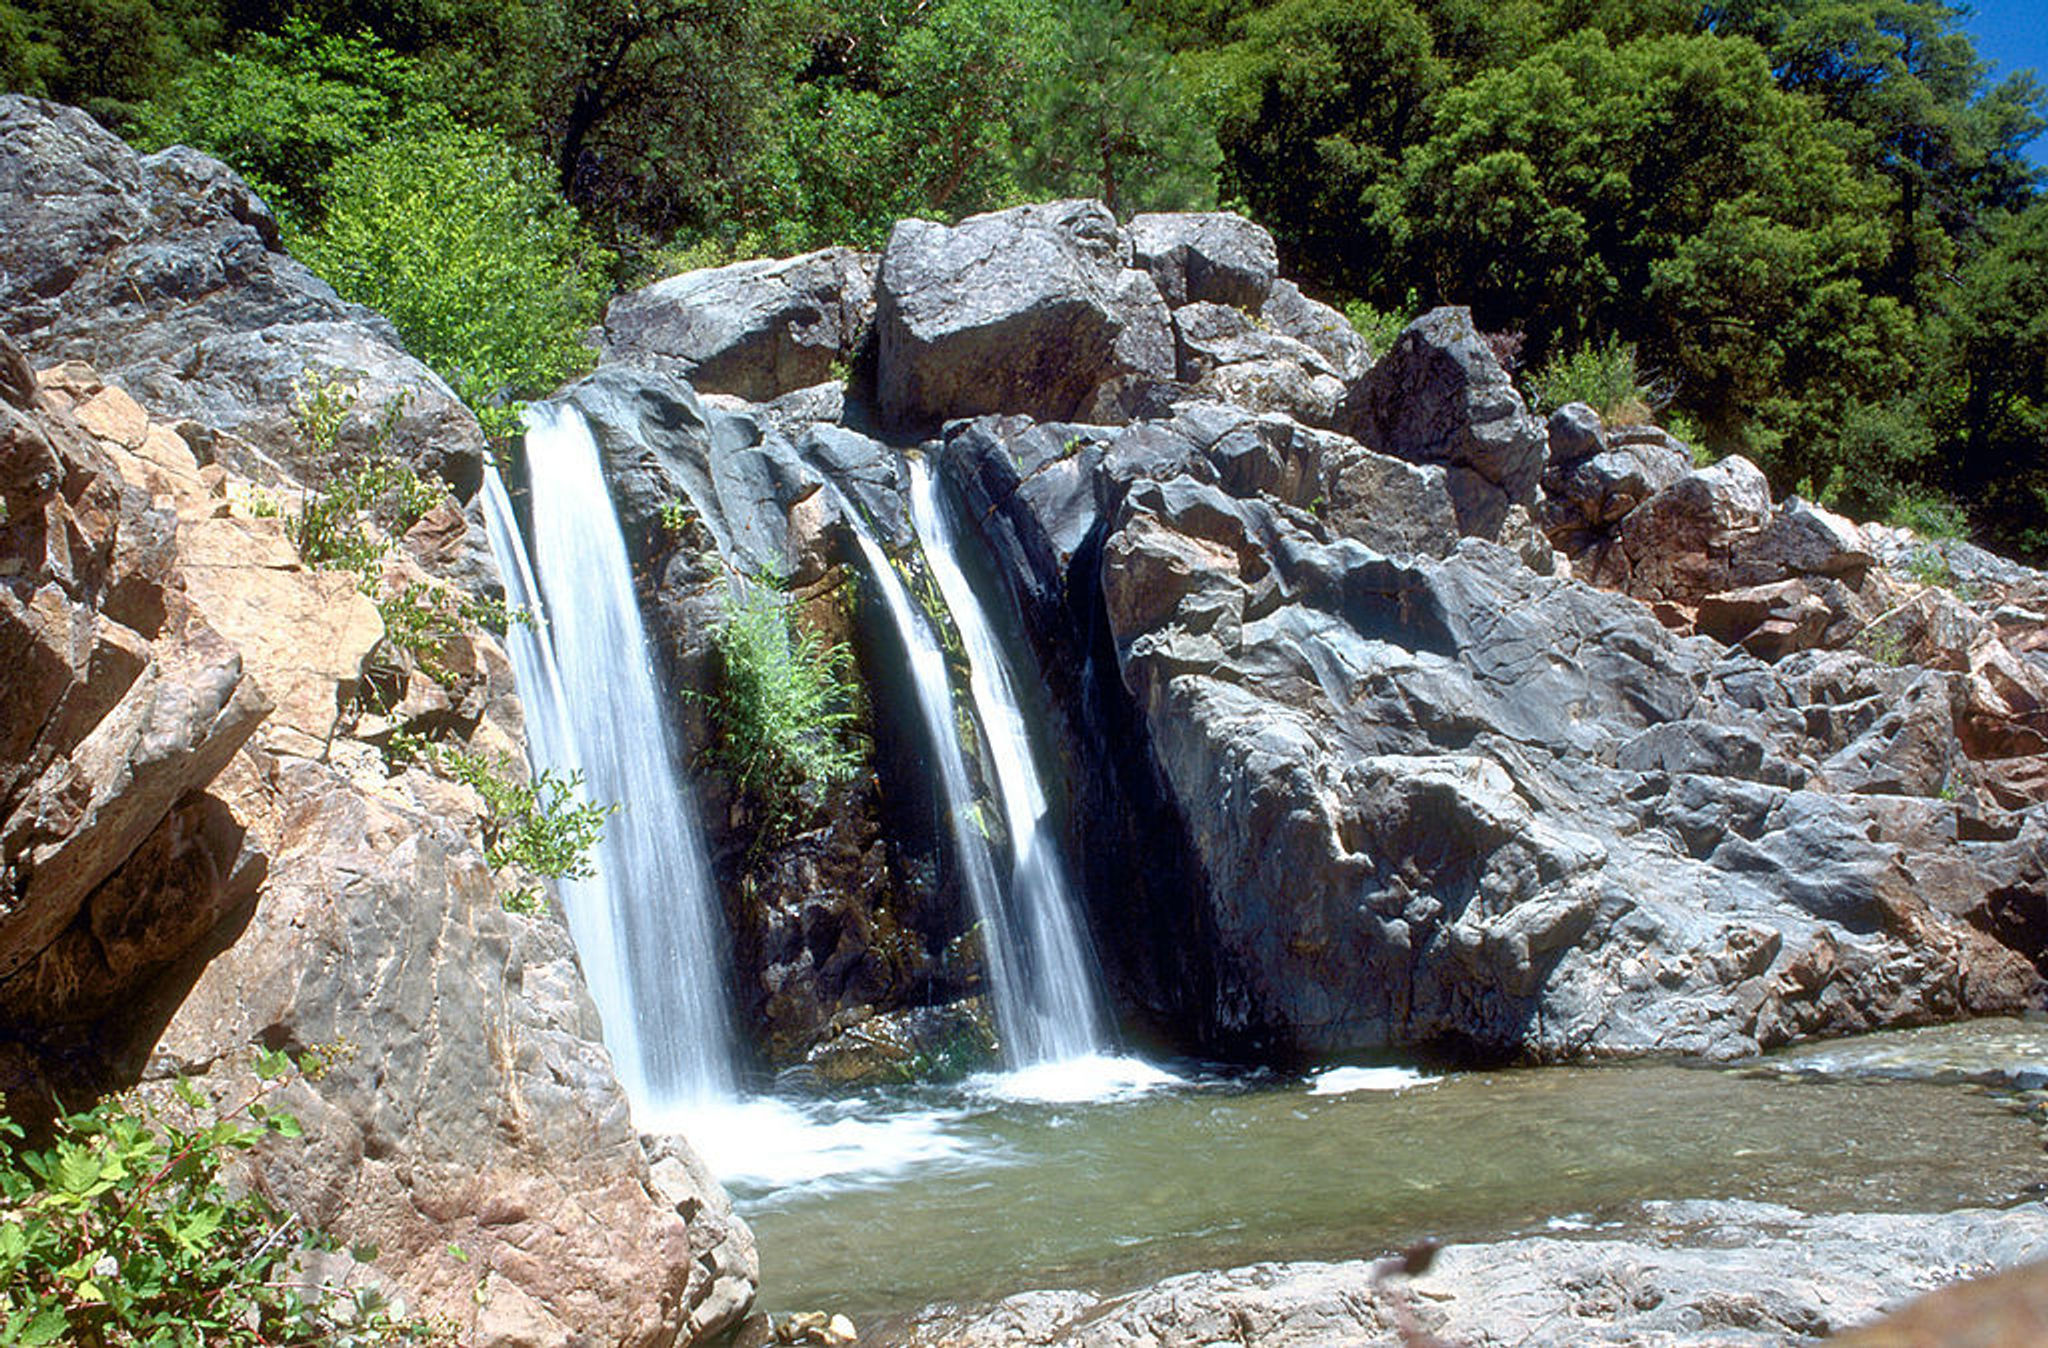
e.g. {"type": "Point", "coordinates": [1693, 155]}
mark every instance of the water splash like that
{"type": "Point", "coordinates": [645, 923]}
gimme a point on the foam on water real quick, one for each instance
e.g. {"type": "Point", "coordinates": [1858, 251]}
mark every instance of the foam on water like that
{"type": "Point", "coordinates": [1347, 1080]}
{"type": "Point", "coordinates": [765, 1145]}
{"type": "Point", "coordinates": [1098, 1078]}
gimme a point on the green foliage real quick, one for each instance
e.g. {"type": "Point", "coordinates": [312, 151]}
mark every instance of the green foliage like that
{"type": "Point", "coordinates": [461, 243]}
{"type": "Point", "coordinates": [1603, 375]}
{"type": "Point", "coordinates": [106, 56]}
{"type": "Point", "coordinates": [784, 703]}
{"type": "Point", "coordinates": [1379, 326]}
{"type": "Point", "coordinates": [1929, 565]}
{"type": "Point", "coordinates": [911, 116]}
{"type": "Point", "coordinates": [1930, 515]}
{"type": "Point", "coordinates": [421, 617]}
{"type": "Point", "coordinates": [1110, 117]}
{"type": "Point", "coordinates": [285, 108]}
{"type": "Point", "coordinates": [120, 1230]}
{"type": "Point", "coordinates": [542, 826]}
{"type": "Point", "coordinates": [336, 525]}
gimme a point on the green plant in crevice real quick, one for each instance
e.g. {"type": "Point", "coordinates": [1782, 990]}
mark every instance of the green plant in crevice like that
{"type": "Point", "coordinates": [1379, 327]}
{"type": "Point", "coordinates": [542, 825]}
{"type": "Point", "coordinates": [333, 524]}
{"type": "Point", "coordinates": [1929, 565]}
{"type": "Point", "coordinates": [119, 1229]}
{"type": "Point", "coordinates": [784, 704]}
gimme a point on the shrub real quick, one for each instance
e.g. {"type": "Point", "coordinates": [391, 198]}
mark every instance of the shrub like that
{"type": "Point", "coordinates": [1928, 514]}
{"type": "Point", "coordinates": [1379, 327]}
{"type": "Point", "coordinates": [332, 524]}
{"type": "Point", "coordinates": [120, 1230]}
{"type": "Point", "coordinates": [283, 109]}
{"type": "Point", "coordinates": [783, 702]}
{"type": "Point", "coordinates": [1604, 377]}
{"type": "Point", "coordinates": [542, 826]}
{"type": "Point", "coordinates": [462, 243]}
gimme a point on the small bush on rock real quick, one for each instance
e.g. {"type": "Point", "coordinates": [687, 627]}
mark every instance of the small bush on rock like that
{"type": "Point", "coordinates": [1604, 377]}
{"type": "Point", "coordinates": [784, 700]}
{"type": "Point", "coordinates": [542, 826]}
{"type": "Point", "coordinates": [119, 1230]}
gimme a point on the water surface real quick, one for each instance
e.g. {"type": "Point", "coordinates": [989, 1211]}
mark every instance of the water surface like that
{"type": "Point", "coordinates": [1211, 1172]}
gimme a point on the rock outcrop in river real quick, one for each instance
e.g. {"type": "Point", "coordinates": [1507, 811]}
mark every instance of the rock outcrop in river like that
{"type": "Point", "coordinates": [1393, 716]}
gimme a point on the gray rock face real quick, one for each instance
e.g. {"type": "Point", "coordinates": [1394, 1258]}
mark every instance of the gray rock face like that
{"type": "Point", "coordinates": [1228, 358]}
{"type": "Point", "coordinates": [165, 273]}
{"type": "Point", "coordinates": [756, 330]}
{"type": "Point", "coordinates": [1439, 396]}
{"type": "Point", "coordinates": [1316, 325]}
{"type": "Point", "coordinates": [1043, 499]}
{"type": "Point", "coordinates": [1217, 258]}
{"type": "Point", "coordinates": [1404, 790]}
{"type": "Point", "coordinates": [1030, 310]}
{"type": "Point", "coordinates": [1451, 801]}
{"type": "Point", "coordinates": [1748, 1274]}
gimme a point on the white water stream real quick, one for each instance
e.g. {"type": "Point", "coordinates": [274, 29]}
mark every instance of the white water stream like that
{"type": "Point", "coordinates": [1059, 1015]}
{"type": "Point", "coordinates": [646, 923]}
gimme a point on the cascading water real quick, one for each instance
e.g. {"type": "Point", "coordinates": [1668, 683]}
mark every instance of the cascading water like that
{"type": "Point", "coordinates": [645, 922]}
{"type": "Point", "coordinates": [1054, 972]}
{"type": "Point", "coordinates": [1015, 1020]}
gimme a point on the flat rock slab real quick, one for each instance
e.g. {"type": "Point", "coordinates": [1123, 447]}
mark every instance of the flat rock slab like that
{"type": "Point", "coordinates": [1728, 1274]}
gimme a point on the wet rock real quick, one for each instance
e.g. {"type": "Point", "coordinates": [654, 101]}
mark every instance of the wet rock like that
{"type": "Point", "coordinates": [1440, 397]}
{"type": "Point", "coordinates": [1028, 310]}
{"type": "Point", "coordinates": [166, 274]}
{"type": "Point", "coordinates": [757, 330]}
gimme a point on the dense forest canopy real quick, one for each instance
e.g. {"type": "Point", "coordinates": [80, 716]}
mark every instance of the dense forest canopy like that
{"type": "Point", "coordinates": [1809, 222]}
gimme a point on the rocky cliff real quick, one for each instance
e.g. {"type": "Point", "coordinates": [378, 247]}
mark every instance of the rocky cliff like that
{"type": "Point", "coordinates": [210, 847]}
{"type": "Point", "coordinates": [1387, 713]}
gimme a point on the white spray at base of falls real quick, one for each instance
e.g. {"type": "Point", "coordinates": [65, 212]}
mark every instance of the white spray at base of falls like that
{"type": "Point", "coordinates": [1061, 1014]}
{"type": "Point", "coordinates": [645, 922]}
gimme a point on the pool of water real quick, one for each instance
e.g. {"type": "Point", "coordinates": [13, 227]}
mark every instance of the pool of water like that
{"type": "Point", "coordinates": [973, 1193]}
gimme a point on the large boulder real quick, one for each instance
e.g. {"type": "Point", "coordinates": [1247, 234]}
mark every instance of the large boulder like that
{"type": "Point", "coordinates": [165, 272]}
{"type": "Point", "coordinates": [1441, 396]}
{"type": "Point", "coordinates": [1033, 310]}
{"type": "Point", "coordinates": [1452, 802]}
{"type": "Point", "coordinates": [756, 330]}
{"type": "Point", "coordinates": [1212, 258]}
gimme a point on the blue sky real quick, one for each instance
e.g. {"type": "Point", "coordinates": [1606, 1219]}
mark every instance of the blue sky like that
{"type": "Point", "coordinates": [2013, 35]}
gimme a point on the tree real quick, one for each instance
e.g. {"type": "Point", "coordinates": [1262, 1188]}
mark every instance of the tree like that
{"type": "Point", "coordinates": [1111, 118]}
{"type": "Point", "coordinates": [1666, 192]}
{"type": "Point", "coordinates": [1904, 74]}
{"type": "Point", "coordinates": [461, 242]}
{"type": "Point", "coordinates": [912, 116]}
{"type": "Point", "coordinates": [1315, 104]}
{"type": "Point", "coordinates": [285, 108]}
{"type": "Point", "coordinates": [647, 109]}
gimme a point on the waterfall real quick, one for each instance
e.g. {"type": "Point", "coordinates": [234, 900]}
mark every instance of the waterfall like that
{"type": "Point", "coordinates": [645, 923]}
{"type": "Point", "coordinates": [1056, 968]}
{"type": "Point", "coordinates": [1039, 974]}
